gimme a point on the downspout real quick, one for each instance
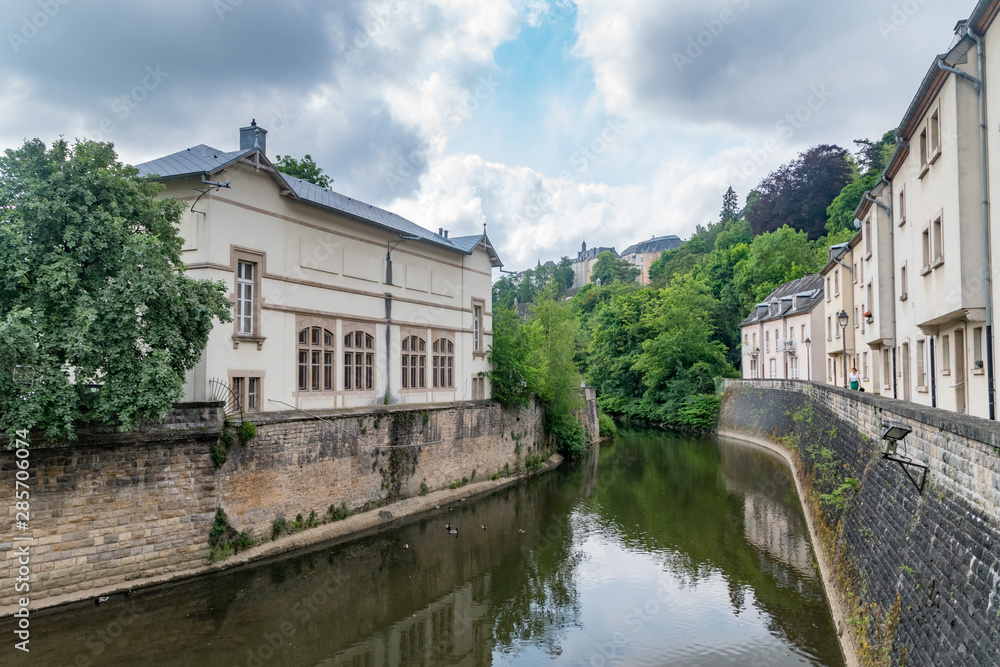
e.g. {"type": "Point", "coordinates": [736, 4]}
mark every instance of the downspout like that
{"type": "Point", "coordinates": [987, 272]}
{"type": "Point", "coordinates": [933, 380]}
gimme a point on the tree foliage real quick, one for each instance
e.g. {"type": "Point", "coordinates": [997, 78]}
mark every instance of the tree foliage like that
{"type": "Point", "coordinates": [98, 321]}
{"type": "Point", "coordinates": [608, 268]}
{"type": "Point", "coordinates": [797, 194]}
{"type": "Point", "coordinates": [511, 376]}
{"type": "Point", "coordinates": [306, 169]}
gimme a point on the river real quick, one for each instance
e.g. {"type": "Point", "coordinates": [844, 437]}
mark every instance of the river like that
{"type": "Point", "coordinates": [656, 551]}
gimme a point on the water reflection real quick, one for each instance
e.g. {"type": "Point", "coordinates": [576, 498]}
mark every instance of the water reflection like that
{"type": "Point", "coordinates": [657, 551]}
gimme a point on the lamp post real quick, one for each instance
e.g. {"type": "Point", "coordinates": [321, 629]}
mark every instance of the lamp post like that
{"type": "Point", "coordinates": [842, 319]}
{"type": "Point", "coordinates": [808, 360]}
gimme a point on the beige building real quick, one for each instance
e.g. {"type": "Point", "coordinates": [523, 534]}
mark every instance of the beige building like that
{"type": "Point", "coordinates": [336, 303]}
{"type": "Point", "coordinates": [583, 265]}
{"type": "Point", "coordinates": [643, 254]}
{"type": "Point", "coordinates": [839, 331]}
{"type": "Point", "coordinates": [777, 336]}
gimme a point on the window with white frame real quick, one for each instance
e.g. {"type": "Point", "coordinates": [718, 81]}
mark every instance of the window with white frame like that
{"type": "Point", "coordinates": [774, 369]}
{"type": "Point", "coordinates": [946, 355]}
{"type": "Point", "coordinates": [248, 390]}
{"type": "Point", "coordinates": [478, 347]}
{"type": "Point", "coordinates": [937, 242]}
{"type": "Point", "coordinates": [921, 365]}
{"type": "Point", "coordinates": [245, 274]}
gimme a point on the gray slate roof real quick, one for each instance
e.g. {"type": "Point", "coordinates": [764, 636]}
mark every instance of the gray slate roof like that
{"type": "Point", "coordinates": [655, 244]}
{"type": "Point", "coordinates": [781, 302]}
{"type": "Point", "coordinates": [205, 160]}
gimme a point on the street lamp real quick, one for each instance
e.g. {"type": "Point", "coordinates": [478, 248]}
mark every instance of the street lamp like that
{"type": "Point", "coordinates": [808, 360]}
{"type": "Point", "coordinates": [842, 319]}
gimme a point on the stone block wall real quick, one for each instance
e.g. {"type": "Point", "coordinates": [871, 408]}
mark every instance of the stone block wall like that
{"type": "Point", "coordinates": [367, 457]}
{"type": "Point", "coordinates": [112, 507]}
{"type": "Point", "coordinates": [919, 572]}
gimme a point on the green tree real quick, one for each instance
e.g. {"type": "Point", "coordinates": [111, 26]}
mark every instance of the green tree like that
{"type": "Point", "coordinates": [730, 206]}
{"type": "Point", "coordinates": [511, 376]}
{"type": "Point", "coordinates": [840, 212]}
{"type": "Point", "coordinates": [875, 155]}
{"type": "Point", "coordinates": [504, 292]}
{"type": "Point", "coordinates": [306, 169]}
{"type": "Point", "coordinates": [556, 333]}
{"type": "Point", "coordinates": [564, 274]}
{"type": "Point", "coordinates": [620, 327]}
{"type": "Point", "coordinates": [679, 365]}
{"type": "Point", "coordinates": [608, 268]}
{"type": "Point", "coordinates": [774, 258]}
{"type": "Point", "coordinates": [98, 321]}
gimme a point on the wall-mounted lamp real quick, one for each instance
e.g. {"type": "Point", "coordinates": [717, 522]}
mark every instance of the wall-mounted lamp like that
{"type": "Point", "coordinates": [893, 433]}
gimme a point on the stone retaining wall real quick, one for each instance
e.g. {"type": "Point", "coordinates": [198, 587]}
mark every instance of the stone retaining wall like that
{"type": "Point", "coordinates": [111, 508]}
{"type": "Point", "coordinates": [918, 573]}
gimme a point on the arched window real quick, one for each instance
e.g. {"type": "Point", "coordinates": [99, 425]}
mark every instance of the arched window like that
{"type": "Point", "coordinates": [414, 362]}
{"type": "Point", "coordinates": [315, 359]}
{"type": "Point", "coordinates": [359, 361]}
{"type": "Point", "coordinates": [443, 363]}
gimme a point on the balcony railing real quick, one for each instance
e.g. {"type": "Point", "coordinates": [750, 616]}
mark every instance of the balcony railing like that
{"type": "Point", "coordinates": [784, 345]}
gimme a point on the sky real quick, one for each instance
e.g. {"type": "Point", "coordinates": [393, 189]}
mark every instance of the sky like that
{"type": "Point", "coordinates": [554, 122]}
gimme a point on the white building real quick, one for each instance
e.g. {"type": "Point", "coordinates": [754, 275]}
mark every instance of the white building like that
{"type": "Point", "coordinates": [336, 303]}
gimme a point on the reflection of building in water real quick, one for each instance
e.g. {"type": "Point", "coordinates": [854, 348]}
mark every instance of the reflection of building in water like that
{"type": "Point", "coordinates": [454, 629]}
{"type": "Point", "coordinates": [772, 521]}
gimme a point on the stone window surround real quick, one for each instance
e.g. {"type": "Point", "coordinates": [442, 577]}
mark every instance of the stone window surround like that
{"type": "Point", "coordinates": [258, 258]}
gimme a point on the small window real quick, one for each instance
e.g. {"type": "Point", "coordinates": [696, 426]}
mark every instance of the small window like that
{"type": "Point", "coordinates": [902, 282]}
{"type": "Point", "coordinates": [477, 328]}
{"type": "Point", "coordinates": [934, 126]}
{"type": "Point", "coordinates": [836, 282]}
{"type": "Point", "coordinates": [921, 367]}
{"type": "Point", "coordinates": [946, 355]}
{"type": "Point", "coordinates": [443, 363]}
{"type": "Point", "coordinates": [901, 214]}
{"type": "Point", "coordinates": [937, 241]}
{"type": "Point", "coordinates": [886, 369]}
{"type": "Point", "coordinates": [829, 293]}
{"type": "Point", "coordinates": [923, 147]}
{"type": "Point", "coordinates": [925, 243]}
{"type": "Point", "coordinates": [977, 347]}
{"type": "Point", "coordinates": [767, 341]}
{"type": "Point", "coordinates": [868, 237]}
{"type": "Point", "coordinates": [247, 390]}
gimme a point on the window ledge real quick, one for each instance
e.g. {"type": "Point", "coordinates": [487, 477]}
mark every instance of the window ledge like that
{"type": "Point", "coordinates": [946, 372]}
{"type": "Point", "coordinates": [244, 338]}
{"type": "Point", "coordinates": [937, 262]}
{"type": "Point", "coordinates": [901, 222]}
{"type": "Point", "coordinates": [978, 371]}
{"type": "Point", "coordinates": [903, 296]}
{"type": "Point", "coordinates": [925, 270]}
{"type": "Point", "coordinates": [924, 170]}
{"type": "Point", "coordinates": [922, 390]}
{"type": "Point", "coordinates": [935, 156]}
{"type": "Point", "coordinates": [478, 355]}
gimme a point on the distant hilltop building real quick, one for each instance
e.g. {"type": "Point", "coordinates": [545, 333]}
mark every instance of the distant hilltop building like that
{"type": "Point", "coordinates": [644, 253]}
{"type": "Point", "coordinates": [583, 265]}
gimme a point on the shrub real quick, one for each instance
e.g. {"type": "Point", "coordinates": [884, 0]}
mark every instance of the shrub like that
{"type": "Point", "coordinates": [246, 432]}
{"type": "Point", "coordinates": [606, 425]}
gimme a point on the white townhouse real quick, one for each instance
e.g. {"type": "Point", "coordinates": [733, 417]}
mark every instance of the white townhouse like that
{"type": "Point", "coordinates": [336, 303]}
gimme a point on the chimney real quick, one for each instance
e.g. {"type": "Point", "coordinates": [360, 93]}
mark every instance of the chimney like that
{"type": "Point", "coordinates": [440, 231]}
{"type": "Point", "coordinates": [253, 137]}
{"type": "Point", "coordinates": [446, 233]}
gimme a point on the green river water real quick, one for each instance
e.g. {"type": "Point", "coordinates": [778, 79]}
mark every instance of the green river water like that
{"type": "Point", "coordinates": [656, 551]}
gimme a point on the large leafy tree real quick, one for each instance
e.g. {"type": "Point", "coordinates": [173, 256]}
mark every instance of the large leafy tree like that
{"type": "Point", "coordinates": [98, 321]}
{"type": "Point", "coordinates": [608, 268]}
{"type": "Point", "coordinates": [511, 376]}
{"type": "Point", "coordinates": [306, 169]}
{"type": "Point", "coordinates": [773, 259]}
{"type": "Point", "coordinates": [797, 194]}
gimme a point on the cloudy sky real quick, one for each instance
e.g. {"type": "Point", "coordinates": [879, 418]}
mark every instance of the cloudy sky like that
{"type": "Point", "coordinates": [553, 121]}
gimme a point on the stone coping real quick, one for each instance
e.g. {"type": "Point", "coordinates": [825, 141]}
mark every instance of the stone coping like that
{"type": "Point", "coordinates": [353, 527]}
{"type": "Point", "coordinates": [973, 428]}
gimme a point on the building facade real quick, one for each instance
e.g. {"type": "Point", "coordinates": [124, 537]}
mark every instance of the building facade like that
{"type": "Point", "coordinates": [644, 253]}
{"type": "Point", "coordinates": [778, 335]}
{"type": "Point", "coordinates": [583, 265]}
{"type": "Point", "coordinates": [336, 303]}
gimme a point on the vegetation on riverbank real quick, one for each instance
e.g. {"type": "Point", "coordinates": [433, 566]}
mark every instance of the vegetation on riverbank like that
{"type": "Point", "coordinates": [654, 352]}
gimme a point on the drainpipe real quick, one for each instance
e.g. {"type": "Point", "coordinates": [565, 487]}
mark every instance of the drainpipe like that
{"type": "Point", "coordinates": [987, 272]}
{"type": "Point", "coordinates": [933, 381]}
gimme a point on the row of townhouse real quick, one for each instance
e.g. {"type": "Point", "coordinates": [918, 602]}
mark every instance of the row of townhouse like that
{"type": "Point", "coordinates": [909, 300]}
{"type": "Point", "coordinates": [336, 303]}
